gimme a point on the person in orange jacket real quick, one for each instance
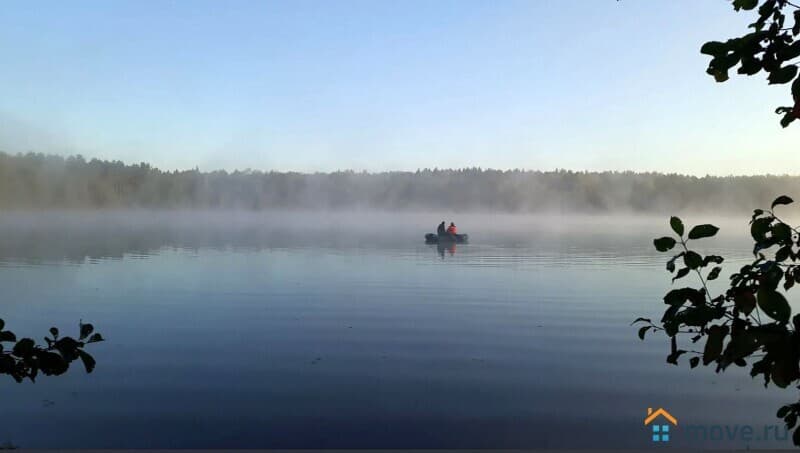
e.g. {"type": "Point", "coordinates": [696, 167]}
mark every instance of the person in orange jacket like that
{"type": "Point", "coordinates": [452, 228]}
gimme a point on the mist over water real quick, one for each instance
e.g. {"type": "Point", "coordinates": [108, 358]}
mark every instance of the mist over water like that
{"type": "Point", "coordinates": [343, 329]}
{"type": "Point", "coordinates": [74, 236]}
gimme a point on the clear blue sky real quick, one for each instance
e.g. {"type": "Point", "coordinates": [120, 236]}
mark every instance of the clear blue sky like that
{"type": "Point", "coordinates": [377, 85]}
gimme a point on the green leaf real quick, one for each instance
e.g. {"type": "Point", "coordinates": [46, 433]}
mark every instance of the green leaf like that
{"type": "Point", "coordinates": [719, 75]}
{"type": "Point", "coordinates": [664, 244]}
{"type": "Point", "coordinates": [744, 4]}
{"type": "Point", "coordinates": [796, 87]}
{"type": "Point", "coordinates": [68, 348]}
{"type": "Point", "coordinates": [52, 364]}
{"type": "Point", "coordinates": [703, 231]}
{"type": "Point", "coordinates": [741, 345]}
{"type": "Point", "coordinates": [669, 315]}
{"type": "Point", "coordinates": [789, 52]}
{"type": "Point", "coordinates": [783, 254]}
{"type": "Point", "coordinates": [694, 361]}
{"type": "Point", "coordinates": [714, 48]}
{"type": "Point", "coordinates": [678, 297]}
{"type": "Point", "coordinates": [781, 232]}
{"type": "Point", "coordinates": [782, 200]}
{"type": "Point", "coordinates": [700, 315]}
{"type": "Point", "coordinates": [750, 66]}
{"type": "Point", "coordinates": [714, 273]}
{"type": "Point", "coordinates": [677, 225]}
{"type": "Point", "coordinates": [2, 324]}
{"type": "Point", "coordinates": [692, 260]}
{"type": "Point", "coordinates": [745, 300]}
{"type": "Point", "coordinates": [774, 305]}
{"type": "Point", "coordinates": [88, 360]}
{"type": "Point", "coordinates": [712, 259]}
{"type": "Point", "coordinates": [643, 331]}
{"type": "Point", "coordinates": [86, 330]}
{"type": "Point", "coordinates": [713, 349]}
{"type": "Point", "coordinates": [791, 420]}
{"type": "Point", "coordinates": [767, 9]}
{"type": "Point", "coordinates": [7, 336]}
{"type": "Point", "coordinates": [681, 273]}
{"type": "Point", "coordinates": [782, 75]}
{"type": "Point", "coordinates": [641, 320]}
{"type": "Point", "coordinates": [95, 338]}
{"type": "Point", "coordinates": [787, 119]}
{"type": "Point", "coordinates": [796, 437]}
{"type": "Point", "coordinates": [772, 276]}
{"type": "Point", "coordinates": [796, 26]}
{"type": "Point", "coordinates": [54, 332]}
{"type": "Point", "coordinates": [760, 228]}
{"type": "Point", "coordinates": [23, 347]}
{"type": "Point", "coordinates": [783, 411]}
{"type": "Point", "coordinates": [725, 62]}
{"type": "Point", "coordinates": [671, 262]}
{"type": "Point", "coordinates": [673, 357]}
{"type": "Point", "coordinates": [783, 372]}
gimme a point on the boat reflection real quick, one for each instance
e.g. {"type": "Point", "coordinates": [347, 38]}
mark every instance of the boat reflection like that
{"type": "Point", "coordinates": [449, 248]}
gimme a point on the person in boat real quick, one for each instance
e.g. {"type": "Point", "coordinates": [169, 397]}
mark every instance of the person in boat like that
{"type": "Point", "coordinates": [451, 230]}
{"type": "Point", "coordinates": [441, 230]}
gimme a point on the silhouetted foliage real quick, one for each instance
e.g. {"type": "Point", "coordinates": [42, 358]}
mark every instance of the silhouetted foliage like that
{"type": "Point", "coordinates": [771, 46]}
{"type": "Point", "coordinates": [26, 359]}
{"type": "Point", "coordinates": [751, 322]}
{"type": "Point", "coordinates": [38, 181]}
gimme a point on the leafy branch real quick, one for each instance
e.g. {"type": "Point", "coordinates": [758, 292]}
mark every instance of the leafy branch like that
{"type": "Point", "coordinates": [26, 359]}
{"type": "Point", "coordinates": [771, 46]}
{"type": "Point", "coordinates": [731, 324]}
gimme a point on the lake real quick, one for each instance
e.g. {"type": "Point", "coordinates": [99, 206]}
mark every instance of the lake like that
{"type": "Point", "coordinates": [344, 330]}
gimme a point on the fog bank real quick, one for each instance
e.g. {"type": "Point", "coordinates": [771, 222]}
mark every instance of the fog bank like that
{"type": "Point", "coordinates": [36, 181]}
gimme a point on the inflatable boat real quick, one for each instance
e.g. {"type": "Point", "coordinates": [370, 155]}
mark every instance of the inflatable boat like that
{"type": "Point", "coordinates": [432, 238]}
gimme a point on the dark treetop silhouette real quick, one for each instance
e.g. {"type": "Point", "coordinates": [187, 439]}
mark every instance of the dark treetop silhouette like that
{"type": "Point", "coordinates": [37, 181]}
{"type": "Point", "coordinates": [26, 359]}
{"type": "Point", "coordinates": [752, 321]}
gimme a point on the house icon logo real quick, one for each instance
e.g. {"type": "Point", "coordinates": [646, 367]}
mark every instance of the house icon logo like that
{"type": "Point", "coordinates": [660, 426]}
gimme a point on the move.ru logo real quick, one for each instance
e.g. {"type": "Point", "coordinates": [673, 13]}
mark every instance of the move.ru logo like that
{"type": "Point", "coordinates": [659, 426]}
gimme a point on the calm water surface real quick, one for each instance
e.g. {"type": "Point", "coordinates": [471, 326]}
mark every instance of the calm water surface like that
{"type": "Point", "coordinates": [345, 330]}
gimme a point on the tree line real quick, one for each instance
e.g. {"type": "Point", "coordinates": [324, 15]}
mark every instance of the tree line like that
{"type": "Point", "coordinates": [38, 181]}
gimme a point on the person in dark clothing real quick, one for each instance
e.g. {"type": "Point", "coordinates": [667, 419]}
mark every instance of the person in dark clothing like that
{"type": "Point", "coordinates": [441, 230]}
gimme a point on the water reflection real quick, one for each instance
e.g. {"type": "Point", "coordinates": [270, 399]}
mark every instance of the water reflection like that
{"type": "Point", "coordinates": [250, 331]}
{"type": "Point", "coordinates": [450, 248]}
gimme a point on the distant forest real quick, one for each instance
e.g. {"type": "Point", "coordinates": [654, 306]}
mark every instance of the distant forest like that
{"type": "Point", "coordinates": [37, 181]}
